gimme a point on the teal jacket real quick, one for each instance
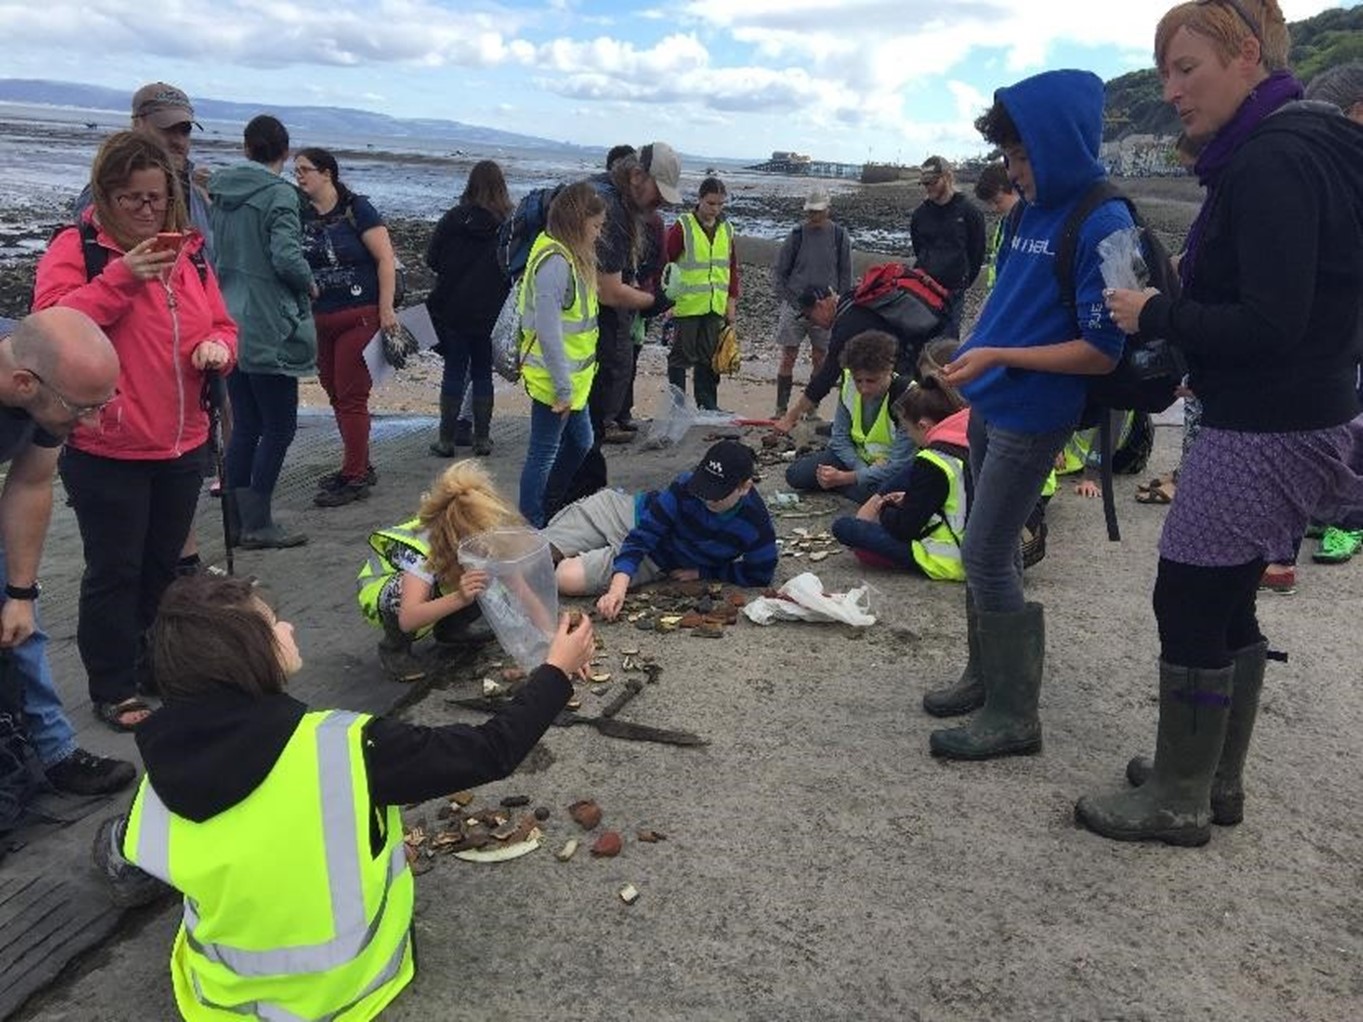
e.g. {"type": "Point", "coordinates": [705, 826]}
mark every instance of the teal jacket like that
{"type": "Point", "coordinates": [257, 232]}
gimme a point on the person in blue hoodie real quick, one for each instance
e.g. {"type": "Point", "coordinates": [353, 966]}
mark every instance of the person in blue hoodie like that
{"type": "Point", "coordinates": [1024, 370]}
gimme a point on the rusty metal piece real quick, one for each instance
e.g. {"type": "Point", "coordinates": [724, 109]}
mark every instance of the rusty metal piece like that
{"type": "Point", "coordinates": [650, 837]}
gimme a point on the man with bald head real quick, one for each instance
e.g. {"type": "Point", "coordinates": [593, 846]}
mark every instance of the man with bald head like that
{"type": "Point", "coordinates": [56, 369]}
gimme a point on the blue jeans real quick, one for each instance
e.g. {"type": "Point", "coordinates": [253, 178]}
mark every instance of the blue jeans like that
{"type": "Point", "coordinates": [468, 358]}
{"type": "Point", "coordinates": [803, 474]}
{"type": "Point", "coordinates": [557, 446]}
{"type": "Point", "coordinates": [48, 729]}
{"type": "Point", "coordinates": [264, 421]}
{"type": "Point", "coordinates": [1010, 470]}
{"type": "Point", "coordinates": [859, 535]}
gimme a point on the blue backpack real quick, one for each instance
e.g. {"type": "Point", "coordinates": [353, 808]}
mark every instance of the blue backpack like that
{"type": "Point", "coordinates": [519, 231]}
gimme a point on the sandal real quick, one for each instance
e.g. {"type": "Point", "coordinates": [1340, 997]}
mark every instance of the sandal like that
{"type": "Point", "coordinates": [1162, 494]}
{"type": "Point", "coordinates": [113, 713]}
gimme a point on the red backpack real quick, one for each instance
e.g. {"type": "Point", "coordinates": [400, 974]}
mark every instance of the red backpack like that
{"type": "Point", "coordinates": [908, 299]}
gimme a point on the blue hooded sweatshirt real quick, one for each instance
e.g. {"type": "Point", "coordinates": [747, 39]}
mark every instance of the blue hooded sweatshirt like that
{"type": "Point", "coordinates": [1059, 115]}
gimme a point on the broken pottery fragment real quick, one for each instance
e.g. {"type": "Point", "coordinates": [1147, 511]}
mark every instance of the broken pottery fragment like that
{"type": "Point", "coordinates": [568, 850]}
{"type": "Point", "coordinates": [586, 813]}
{"type": "Point", "coordinates": [629, 894]}
{"type": "Point", "coordinates": [691, 619]}
{"type": "Point", "coordinates": [650, 837]}
{"type": "Point", "coordinates": [608, 845]}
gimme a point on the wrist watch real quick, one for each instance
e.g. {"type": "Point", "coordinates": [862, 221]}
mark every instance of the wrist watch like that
{"type": "Point", "coordinates": [13, 592]}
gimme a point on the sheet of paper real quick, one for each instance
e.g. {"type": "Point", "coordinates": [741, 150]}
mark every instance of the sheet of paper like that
{"type": "Point", "coordinates": [416, 319]}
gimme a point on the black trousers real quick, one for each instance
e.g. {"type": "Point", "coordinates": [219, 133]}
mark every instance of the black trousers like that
{"type": "Point", "coordinates": [615, 366]}
{"type": "Point", "coordinates": [1205, 614]}
{"type": "Point", "coordinates": [134, 517]}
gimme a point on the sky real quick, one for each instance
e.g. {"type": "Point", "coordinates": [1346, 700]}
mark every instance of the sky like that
{"type": "Point", "coordinates": [848, 80]}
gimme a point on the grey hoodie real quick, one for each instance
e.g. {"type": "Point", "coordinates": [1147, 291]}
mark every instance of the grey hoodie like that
{"type": "Point", "coordinates": [257, 231]}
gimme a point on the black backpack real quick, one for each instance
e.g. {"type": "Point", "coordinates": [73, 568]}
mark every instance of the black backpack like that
{"type": "Point", "coordinates": [519, 231]}
{"type": "Point", "coordinates": [1150, 370]}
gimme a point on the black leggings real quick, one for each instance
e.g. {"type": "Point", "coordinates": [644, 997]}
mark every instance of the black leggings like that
{"type": "Point", "coordinates": [1205, 614]}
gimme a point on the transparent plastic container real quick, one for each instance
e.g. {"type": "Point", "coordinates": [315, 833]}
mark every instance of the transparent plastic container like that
{"type": "Point", "coordinates": [521, 599]}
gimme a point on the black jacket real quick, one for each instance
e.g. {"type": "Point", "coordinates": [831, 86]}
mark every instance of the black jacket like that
{"type": "Point", "coordinates": [205, 755]}
{"type": "Point", "coordinates": [948, 241]}
{"type": "Point", "coordinates": [1270, 319]}
{"type": "Point", "coordinates": [469, 288]}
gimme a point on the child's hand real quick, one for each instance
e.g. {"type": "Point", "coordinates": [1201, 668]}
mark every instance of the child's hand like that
{"type": "Point", "coordinates": [1060, 461]}
{"type": "Point", "coordinates": [1088, 488]}
{"type": "Point", "coordinates": [870, 511]}
{"type": "Point", "coordinates": [609, 604]}
{"type": "Point", "coordinates": [895, 499]}
{"type": "Point", "coordinates": [572, 648]}
{"type": "Point", "coordinates": [471, 583]}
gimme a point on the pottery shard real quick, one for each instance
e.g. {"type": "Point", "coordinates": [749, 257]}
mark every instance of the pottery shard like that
{"type": "Point", "coordinates": [568, 850]}
{"type": "Point", "coordinates": [709, 632]}
{"type": "Point", "coordinates": [629, 894]}
{"type": "Point", "coordinates": [462, 798]}
{"type": "Point", "coordinates": [608, 845]}
{"type": "Point", "coordinates": [690, 619]}
{"type": "Point", "coordinates": [650, 837]}
{"type": "Point", "coordinates": [587, 814]}
{"type": "Point", "coordinates": [738, 600]}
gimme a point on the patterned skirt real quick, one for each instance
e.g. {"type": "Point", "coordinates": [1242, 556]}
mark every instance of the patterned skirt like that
{"type": "Point", "coordinates": [1243, 497]}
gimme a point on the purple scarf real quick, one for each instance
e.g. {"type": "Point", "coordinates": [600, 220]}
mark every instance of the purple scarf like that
{"type": "Point", "coordinates": [1273, 92]}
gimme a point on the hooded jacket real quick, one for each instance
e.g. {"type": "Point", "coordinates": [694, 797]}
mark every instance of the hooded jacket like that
{"type": "Point", "coordinates": [205, 755]}
{"type": "Point", "coordinates": [265, 279]}
{"type": "Point", "coordinates": [1059, 115]}
{"type": "Point", "coordinates": [1270, 320]}
{"type": "Point", "coordinates": [469, 288]}
{"type": "Point", "coordinates": [155, 327]}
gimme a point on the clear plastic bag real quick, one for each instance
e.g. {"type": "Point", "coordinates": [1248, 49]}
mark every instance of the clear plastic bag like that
{"type": "Point", "coordinates": [672, 419]}
{"type": "Point", "coordinates": [506, 338]}
{"type": "Point", "coordinates": [1123, 260]}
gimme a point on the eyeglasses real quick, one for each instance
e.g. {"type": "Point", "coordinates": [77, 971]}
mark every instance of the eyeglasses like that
{"type": "Point", "coordinates": [300, 169]}
{"type": "Point", "coordinates": [132, 202]}
{"type": "Point", "coordinates": [183, 128]}
{"type": "Point", "coordinates": [76, 411]}
{"type": "Point", "coordinates": [1240, 10]}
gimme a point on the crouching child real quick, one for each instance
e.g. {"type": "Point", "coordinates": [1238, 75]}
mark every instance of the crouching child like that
{"type": "Point", "coordinates": [920, 523]}
{"type": "Point", "coordinates": [279, 824]}
{"type": "Point", "coordinates": [709, 523]}
{"type": "Point", "coordinates": [413, 585]}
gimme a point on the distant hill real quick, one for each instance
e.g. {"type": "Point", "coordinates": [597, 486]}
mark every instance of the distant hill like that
{"type": "Point", "coordinates": [319, 120]}
{"type": "Point", "coordinates": [1135, 105]}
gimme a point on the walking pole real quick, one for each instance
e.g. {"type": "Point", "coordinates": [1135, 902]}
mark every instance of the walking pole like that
{"type": "Point", "coordinates": [211, 399]}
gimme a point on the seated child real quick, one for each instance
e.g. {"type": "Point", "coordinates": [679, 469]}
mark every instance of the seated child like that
{"type": "Point", "coordinates": [1133, 436]}
{"type": "Point", "coordinates": [865, 447]}
{"type": "Point", "coordinates": [708, 524]}
{"type": "Point", "coordinates": [921, 526]}
{"type": "Point", "coordinates": [413, 584]}
{"type": "Point", "coordinates": [280, 824]}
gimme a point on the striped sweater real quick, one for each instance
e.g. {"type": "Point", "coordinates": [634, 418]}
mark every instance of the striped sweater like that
{"type": "Point", "coordinates": [677, 530]}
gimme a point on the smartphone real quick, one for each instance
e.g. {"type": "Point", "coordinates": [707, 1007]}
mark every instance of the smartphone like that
{"type": "Point", "coordinates": [168, 241]}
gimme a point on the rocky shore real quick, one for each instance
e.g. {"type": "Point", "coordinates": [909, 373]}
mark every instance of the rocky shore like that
{"type": "Point", "coordinates": [1168, 205]}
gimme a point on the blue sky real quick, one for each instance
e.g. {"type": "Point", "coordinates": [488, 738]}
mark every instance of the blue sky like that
{"type": "Point", "coordinates": [840, 79]}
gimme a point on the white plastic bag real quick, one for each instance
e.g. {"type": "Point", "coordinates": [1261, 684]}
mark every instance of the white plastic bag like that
{"type": "Point", "coordinates": [803, 599]}
{"type": "Point", "coordinates": [506, 338]}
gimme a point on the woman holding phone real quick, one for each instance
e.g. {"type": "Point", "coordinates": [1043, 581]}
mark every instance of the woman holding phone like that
{"type": "Point", "coordinates": [134, 466]}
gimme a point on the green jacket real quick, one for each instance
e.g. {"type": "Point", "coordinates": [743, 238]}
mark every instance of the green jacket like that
{"type": "Point", "coordinates": [257, 234]}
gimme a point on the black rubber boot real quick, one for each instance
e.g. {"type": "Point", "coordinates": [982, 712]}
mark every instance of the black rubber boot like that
{"type": "Point", "coordinates": [482, 426]}
{"type": "Point", "coordinates": [449, 414]}
{"type": "Point", "coordinates": [259, 530]}
{"type": "Point", "coordinates": [784, 385]}
{"type": "Point", "coordinates": [677, 377]}
{"type": "Point", "coordinates": [1174, 805]}
{"type": "Point", "coordinates": [1228, 793]}
{"type": "Point", "coordinates": [707, 388]}
{"type": "Point", "coordinates": [967, 694]}
{"type": "Point", "coordinates": [1012, 655]}
{"type": "Point", "coordinates": [395, 653]}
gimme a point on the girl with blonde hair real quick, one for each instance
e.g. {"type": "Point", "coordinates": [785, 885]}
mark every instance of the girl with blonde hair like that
{"type": "Point", "coordinates": [413, 584]}
{"type": "Point", "coordinates": [558, 306]}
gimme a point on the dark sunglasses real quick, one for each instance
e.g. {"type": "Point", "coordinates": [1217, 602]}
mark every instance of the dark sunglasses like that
{"type": "Point", "coordinates": [1240, 10]}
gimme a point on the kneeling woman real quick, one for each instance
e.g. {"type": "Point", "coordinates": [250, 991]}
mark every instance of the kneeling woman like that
{"type": "Point", "coordinates": [920, 525]}
{"type": "Point", "coordinates": [279, 824]}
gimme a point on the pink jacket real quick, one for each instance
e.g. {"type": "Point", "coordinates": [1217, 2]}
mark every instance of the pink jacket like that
{"type": "Point", "coordinates": [155, 328]}
{"type": "Point", "coordinates": [952, 429]}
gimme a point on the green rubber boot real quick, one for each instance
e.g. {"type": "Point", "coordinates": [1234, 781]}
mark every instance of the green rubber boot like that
{"type": "Point", "coordinates": [967, 694]}
{"type": "Point", "coordinates": [1174, 805]}
{"type": "Point", "coordinates": [482, 426]}
{"type": "Point", "coordinates": [1228, 792]}
{"type": "Point", "coordinates": [449, 416]}
{"type": "Point", "coordinates": [1012, 654]}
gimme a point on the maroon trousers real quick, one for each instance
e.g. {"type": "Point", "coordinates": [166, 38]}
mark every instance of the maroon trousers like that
{"type": "Point", "coordinates": [341, 337]}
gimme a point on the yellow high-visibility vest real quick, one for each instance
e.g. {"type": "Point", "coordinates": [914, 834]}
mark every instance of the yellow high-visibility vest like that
{"type": "Point", "coordinates": [873, 444]}
{"type": "Point", "coordinates": [287, 912]}
{"type": "Point", "coordinates": [939, 552]}
{"type": "Point", "coordinates": [579, 329]}
{"type": "Point", "coordinates": [704, 268]}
